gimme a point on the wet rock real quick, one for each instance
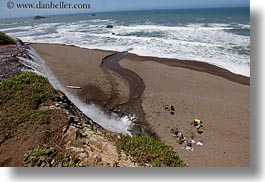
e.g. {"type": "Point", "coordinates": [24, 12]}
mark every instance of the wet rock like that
{"type": "Point", "coordinates": [39, 17]}
{"type": "Point", "coordinates": [109, 26]}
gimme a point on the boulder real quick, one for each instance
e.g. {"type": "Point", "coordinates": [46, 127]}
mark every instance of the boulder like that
{"type": "Point", "coordinates": [38, 17]}
{"type": "Point", "coordinates": [109, 26]}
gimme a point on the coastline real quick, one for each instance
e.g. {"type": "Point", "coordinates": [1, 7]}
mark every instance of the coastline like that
{"type": "Point", "coordinates": [51, 131]}
{"type": "Point", "coordinates": [196, 66]}
{"type": "Point", "coordinates": [196, 89]}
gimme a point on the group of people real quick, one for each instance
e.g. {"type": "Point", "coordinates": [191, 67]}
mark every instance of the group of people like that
{"type": "Point", "coordinates": [198, 124]}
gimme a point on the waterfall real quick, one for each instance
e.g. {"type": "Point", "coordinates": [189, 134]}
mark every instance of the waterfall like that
{"type": "Point", "coordinates": [109, 121]}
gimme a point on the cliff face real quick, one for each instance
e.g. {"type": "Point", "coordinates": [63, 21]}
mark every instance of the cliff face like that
{"type": "Point", "coordinates": [9, 62]}
{"type": "Point", "coordinates": [38, 118]}
{"type": "Point", "coordinates": [41, 127]}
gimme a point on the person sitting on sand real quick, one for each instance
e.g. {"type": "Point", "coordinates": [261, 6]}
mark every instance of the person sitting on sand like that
{"type": "Point", "coordinates": [197, 124]}
{"type": "Point", "coordinates": [180, 137]}
{"type": "Point", "coordinates": [189, 147]}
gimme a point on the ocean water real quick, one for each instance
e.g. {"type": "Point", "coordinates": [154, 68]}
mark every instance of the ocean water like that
{"type": "Point", "coordinates": [216, 36]}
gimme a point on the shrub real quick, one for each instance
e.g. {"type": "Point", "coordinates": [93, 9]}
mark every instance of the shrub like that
{"type": "Point", "coordinates": [146, 150]}
{"type": "Point", "coordinates": [5, 40]}
{"type": "Point", "coordinates": [20, 98]}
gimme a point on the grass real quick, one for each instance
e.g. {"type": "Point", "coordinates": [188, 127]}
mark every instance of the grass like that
{"type": "Point", "coordinates": [40, 154]}
{"type": "Point", "coordinates": [20, 98]}
{"type": "Point", "coordinates": [60, 159]}
{"type": "Point", "coordinates": [5, 40]}
{"type": "Point", "coordinates": [146, 150]}
{"type": "Point", "coordinates": [43, 151]}
{"type": "Point", "coordinates": [68, 162]}
{"type": "Point", "coordinates": [32, 159]}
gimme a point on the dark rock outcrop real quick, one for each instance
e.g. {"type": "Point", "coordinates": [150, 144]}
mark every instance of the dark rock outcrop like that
{"type": "Point", "coordinates": [39, 17]}
{"type": "Point", "coordinates": [10, 64]}
{"type": "Point", "coordinates": [109, 26]}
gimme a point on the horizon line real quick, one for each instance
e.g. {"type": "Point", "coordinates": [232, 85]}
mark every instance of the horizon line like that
{"type": "Point", "coordinates": [110, 11]}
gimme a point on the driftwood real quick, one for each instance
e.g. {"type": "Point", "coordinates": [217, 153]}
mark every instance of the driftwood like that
{"type": "Point", "coordinates": [73, 87]}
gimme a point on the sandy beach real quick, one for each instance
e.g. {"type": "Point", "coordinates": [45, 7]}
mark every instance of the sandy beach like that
{"type": "Point", "coordinates": [197, 90]}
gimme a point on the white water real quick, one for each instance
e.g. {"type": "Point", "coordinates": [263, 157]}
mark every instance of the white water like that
{"type": "Point", "coordinates": [110, 122]}
{"type": "Point", "coordinates": [213, 44]}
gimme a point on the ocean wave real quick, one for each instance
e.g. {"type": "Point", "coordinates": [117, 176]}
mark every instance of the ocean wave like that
{"type": "Point", "coordinates": [216, 44]}
{"type": "Point", "coordinates": [100, 20]}
{"type": "Point", "coordinates": [13, 23]}
{"type": "Point", "coordinates": [243, 26]}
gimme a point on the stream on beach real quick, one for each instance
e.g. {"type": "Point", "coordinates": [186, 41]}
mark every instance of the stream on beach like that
{"type": "Point", "coordinates": [122, 122]}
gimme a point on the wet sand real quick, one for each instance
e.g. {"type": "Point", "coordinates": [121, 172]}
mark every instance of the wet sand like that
{"type": "Point", "coordinates": [136, 87]}
{"type": "Point", "coordinates": [197, 90]}
{"type": "Point", "coordinates": [79, 67]}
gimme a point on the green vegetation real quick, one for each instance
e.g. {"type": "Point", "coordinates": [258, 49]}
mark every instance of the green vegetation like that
{"type": "Point", "coordinates": [146, 150]}
{"type": "Point", "coordinates": [43, 151]}
{"type": "Point", "coordinates": [43, 156]}
{"type": "Point", "coordinates": [5, 40]}
{"type": "Point", "coordinates": [20, 98]}
{"type": "Point", "coordinates": [68, 162]}
{"type": "Point", "coordinates": [35, 157]}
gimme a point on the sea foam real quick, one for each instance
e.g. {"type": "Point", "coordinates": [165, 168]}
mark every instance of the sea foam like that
{"type": "Point", "coordinates": [212, 43]}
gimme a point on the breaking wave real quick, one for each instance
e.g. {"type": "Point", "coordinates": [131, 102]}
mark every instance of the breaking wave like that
{"type": "Point", "coordinates": [223, 45]}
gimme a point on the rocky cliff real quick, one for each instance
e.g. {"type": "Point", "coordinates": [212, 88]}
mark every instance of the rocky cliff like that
{"type": "Point", "coordinates": [40, 127]}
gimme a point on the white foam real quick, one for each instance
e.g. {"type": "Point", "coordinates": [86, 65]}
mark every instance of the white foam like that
{"type": "Point", "coordinates": [109, 121]}
{"type": "Point", "coordinates": [243, 26]}
{"type": "Point", "coordinates": [212, 43]}
{"type": "Point", "coordinates": [99, 20]}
